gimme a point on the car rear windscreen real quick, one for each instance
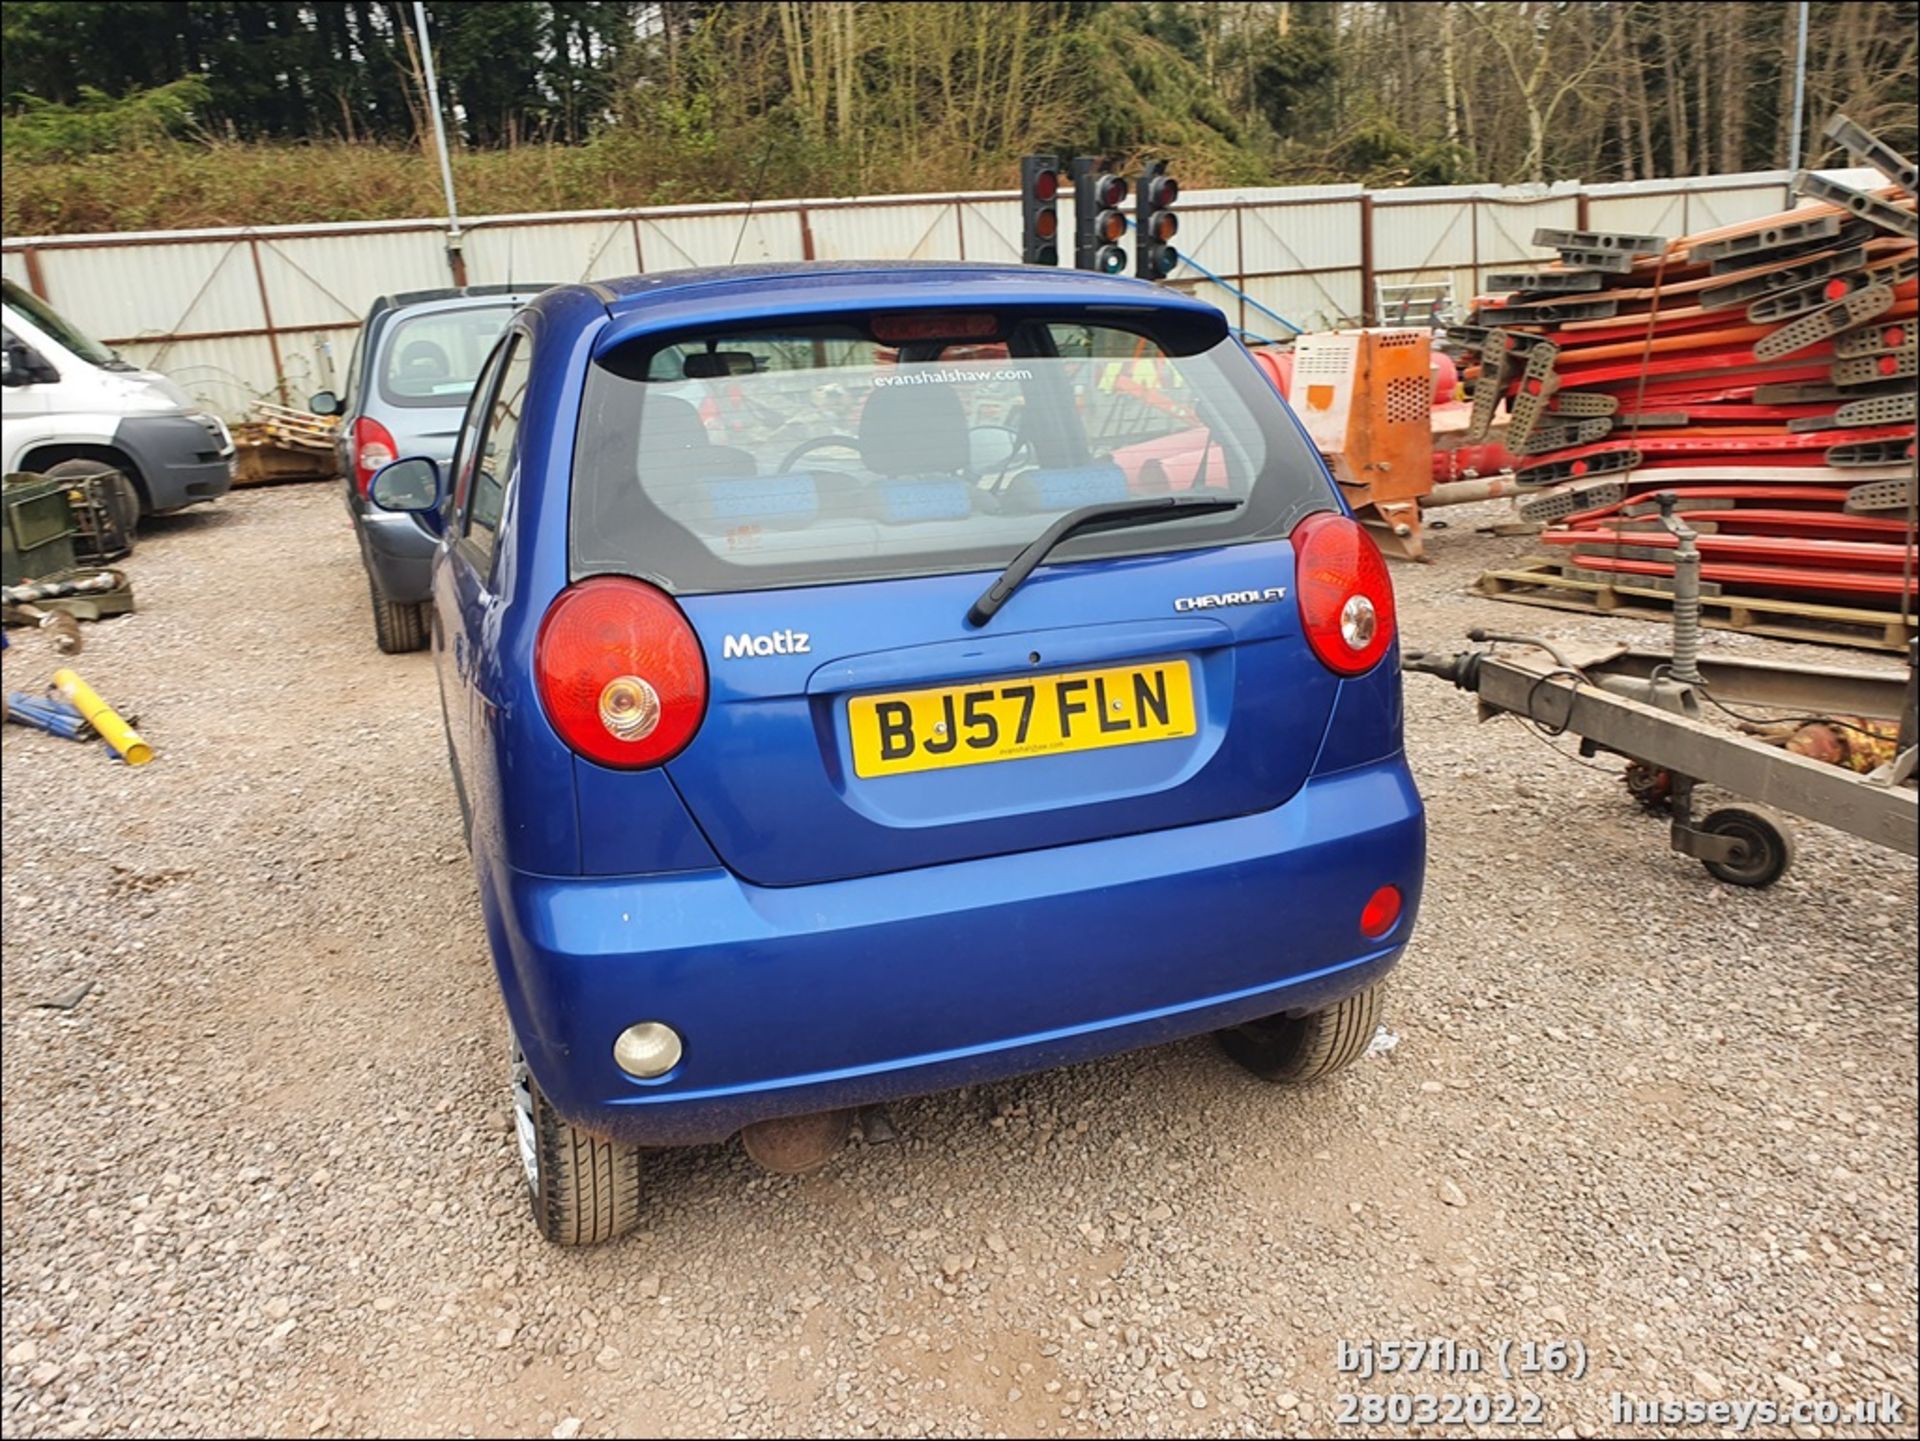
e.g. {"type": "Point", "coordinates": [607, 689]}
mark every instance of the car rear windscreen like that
{"type": "Point", "coordinates": [822, 453]}
{"type": "Point", "coordinates": [433, 358]}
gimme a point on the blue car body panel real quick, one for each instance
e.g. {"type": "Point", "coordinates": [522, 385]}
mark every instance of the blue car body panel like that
{"type": "Point", "coordinates": [796, 999]}
{"type": "Point", "coordinates": [1073, 617]}
{"type": "Point", "coordinates": [820, 940]}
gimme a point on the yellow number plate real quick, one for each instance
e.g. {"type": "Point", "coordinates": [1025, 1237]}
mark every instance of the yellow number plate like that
{"type": "Point", "coordinates": [1007, 719]}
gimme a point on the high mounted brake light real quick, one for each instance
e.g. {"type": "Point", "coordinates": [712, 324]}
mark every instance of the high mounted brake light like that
{"type": "Point", "coordinates": [935, 325]}
{"type": "Point", "coordinates": [1346, 596]}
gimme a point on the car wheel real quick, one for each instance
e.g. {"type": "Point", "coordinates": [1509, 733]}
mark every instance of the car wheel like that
{"type": "Point", "coordinates": [1305, 1048]}
{"type": "Point", "coordinates": [398, 628]}
{"type": "Point", "coordinates": [583, 1189]}
{"type": "Point", "coordinates": [122, 500]}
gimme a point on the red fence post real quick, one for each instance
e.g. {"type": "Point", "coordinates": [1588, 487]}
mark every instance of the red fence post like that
{"type": "Point", "coordinates": [36, 282]}
{"type": "Point", "coordinates": [266, 314]}
{"type": "Point", "coordinates": [1367, 314]}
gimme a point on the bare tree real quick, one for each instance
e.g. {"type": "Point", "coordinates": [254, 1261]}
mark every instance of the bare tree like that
{"type": "Point", "coordinates": [1546, 72]}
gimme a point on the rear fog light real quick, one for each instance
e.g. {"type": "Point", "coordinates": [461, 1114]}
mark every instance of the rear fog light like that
{"type": "Point", "coordinates": [1381, 913]}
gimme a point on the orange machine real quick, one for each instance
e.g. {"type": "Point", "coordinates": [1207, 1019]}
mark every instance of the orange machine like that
{"type": "Point", "coordinates": [1366, 399]}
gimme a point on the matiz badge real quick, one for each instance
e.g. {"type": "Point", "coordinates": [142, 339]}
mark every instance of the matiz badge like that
{"type": "Point", "coordinates": [780, 642]}
{"type": "Point", "coordinates": [1232, 597]}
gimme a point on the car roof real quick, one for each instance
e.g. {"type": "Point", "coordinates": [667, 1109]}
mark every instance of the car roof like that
{"type": "Point", "coordinates": [722, 294]}
{"type": "Point", "coordinates": [813, 275]}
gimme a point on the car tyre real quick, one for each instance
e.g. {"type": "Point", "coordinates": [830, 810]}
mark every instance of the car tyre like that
{"type": "Point", "coordinates": [583, 1189]}
{"type": "Point", "coordinates": [1766, 843]}
{"type": "Point", "coordinates": [397, 627]}
{"type": "Point", "coordinates": [1306, 1048]}
{"type": "Point", "coordinates": [122, 500]}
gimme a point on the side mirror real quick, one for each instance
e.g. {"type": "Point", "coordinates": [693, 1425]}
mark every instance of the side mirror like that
{"type": "Point", "coordinates": [22, 365]}
{"type": "Point", "coordinates": [325, 403]}
{"type": "Point", "coordinates": [409, 487]}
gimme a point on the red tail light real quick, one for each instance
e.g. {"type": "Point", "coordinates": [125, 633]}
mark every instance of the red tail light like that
{"type": "Point", "coordinates": [373, 447]}
{"type": "Point", "coordinates": [1346, 598]}
{"type": "Point", "coordinates": [621, 673]}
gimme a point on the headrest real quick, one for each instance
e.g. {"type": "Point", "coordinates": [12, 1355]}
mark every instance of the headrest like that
{"type": "Point", "coordinates": [423, 360]}
{"type": "Point", "coordinates": [908, 429]}
{"type": "Point", "coordinates": [669, 423]}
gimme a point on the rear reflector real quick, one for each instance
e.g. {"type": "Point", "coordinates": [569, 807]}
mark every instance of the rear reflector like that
{"type": "Point", "coordinates": [1346, 597]}
{"type": "Point", "coordinates": [621, 674]}
{"type": "Point", "coordinates": [1381, 913]}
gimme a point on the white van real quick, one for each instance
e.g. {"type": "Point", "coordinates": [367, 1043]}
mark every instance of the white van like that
{"type": "Point", "coordinates": [70, 401]}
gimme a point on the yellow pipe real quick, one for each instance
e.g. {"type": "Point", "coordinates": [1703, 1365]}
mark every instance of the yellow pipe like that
{"type": "Point", "coordinates": [103, 718]}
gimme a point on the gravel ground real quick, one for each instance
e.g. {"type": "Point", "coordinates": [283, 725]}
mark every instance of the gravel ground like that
{"type": "Point", "coordinates": [261, 1178]}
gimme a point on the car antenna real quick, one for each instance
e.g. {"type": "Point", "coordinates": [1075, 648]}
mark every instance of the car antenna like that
{"type": "Point", "coordinates": [766, 154]}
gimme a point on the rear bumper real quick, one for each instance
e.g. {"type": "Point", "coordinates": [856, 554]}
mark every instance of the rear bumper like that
{"type": "Point", "coordinates": [398, 554]}
{"type": "Point", "coordinates": [845, 993]}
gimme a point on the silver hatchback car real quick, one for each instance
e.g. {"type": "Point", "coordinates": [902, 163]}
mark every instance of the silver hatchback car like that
{"type": "Point", "coordinates": [413, 368]}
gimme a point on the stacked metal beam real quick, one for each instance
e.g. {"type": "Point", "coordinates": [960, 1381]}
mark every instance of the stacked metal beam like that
{"type": "Point", "coordinates": [1766, 371]}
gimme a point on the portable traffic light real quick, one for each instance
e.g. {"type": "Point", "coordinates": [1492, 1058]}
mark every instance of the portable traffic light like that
{"type": "Point", "coordinates": [1098, 224]}
{"type": "Point", "coordinates": [1155, 257]}
{"type": "Point", "coordinates": [1040, 210]}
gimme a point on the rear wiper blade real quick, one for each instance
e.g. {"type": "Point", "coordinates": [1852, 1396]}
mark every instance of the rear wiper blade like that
{"type": "Point", "coordinates": [1110, 515]}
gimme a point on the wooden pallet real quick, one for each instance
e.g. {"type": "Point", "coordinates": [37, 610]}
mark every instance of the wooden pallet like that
{"type": "Point", "coordinates": [1538, 580]}
{"type": "Point", "coordinates": [293, 429]}
{"type": "Point", "coordinates": [279, 444]}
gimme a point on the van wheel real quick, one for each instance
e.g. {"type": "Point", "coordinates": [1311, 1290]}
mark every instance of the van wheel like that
{"type": "Point", "coordinates": [398, 628]}
{"type": "Point", "coordinates": [583, 1189]}
{"type": "Point", "coordinates": [1305, 1048]}
{"type": "Point", "coordinates": [121, 499]}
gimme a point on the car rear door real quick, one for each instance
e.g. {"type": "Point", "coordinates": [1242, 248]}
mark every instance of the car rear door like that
{"type": "Point", "coordinates": [900, 738]}
{"type": "Point", "coordinates": [353, 400]}
{"type": "Point", "coordinates": [463, 583]}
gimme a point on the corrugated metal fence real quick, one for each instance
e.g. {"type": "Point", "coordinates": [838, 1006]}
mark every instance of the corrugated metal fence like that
{"type": "Point", "coordinates": [236, 315]}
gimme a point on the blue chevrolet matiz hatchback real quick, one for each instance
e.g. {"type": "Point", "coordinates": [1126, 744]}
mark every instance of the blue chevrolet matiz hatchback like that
{"type": "Point", "coordinates": [868, 679]}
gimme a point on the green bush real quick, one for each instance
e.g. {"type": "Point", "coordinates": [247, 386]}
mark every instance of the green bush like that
{"type": "Point", "coordinates": [97, 123]}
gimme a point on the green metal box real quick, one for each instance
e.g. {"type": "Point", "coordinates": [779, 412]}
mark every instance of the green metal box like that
{"type": "Point", "coordinates": [36, 529]}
